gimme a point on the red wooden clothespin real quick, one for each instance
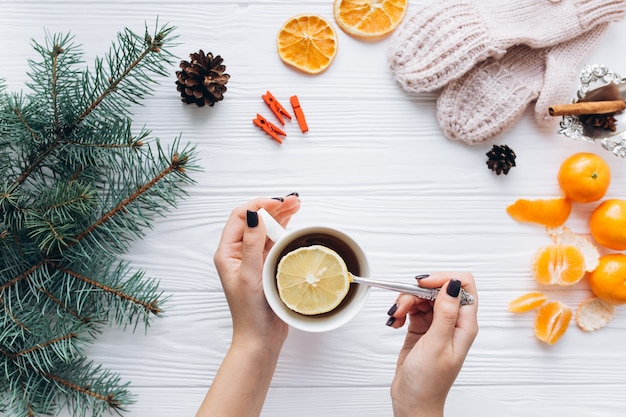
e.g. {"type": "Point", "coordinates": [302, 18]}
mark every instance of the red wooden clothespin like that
{"type": "Point", "coordinates": [297, 110]}
{"type": "Point", "coordinates": [276, 108]}
{"type": "Point", "coordinates": [269, 128]}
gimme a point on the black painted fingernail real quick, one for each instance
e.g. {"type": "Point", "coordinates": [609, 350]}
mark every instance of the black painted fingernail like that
{"type": "Point", "coordinates": [294, 193]}
{"type": "Point", "coordinates": [393, 309]}
{"type": "Point", "coordinates": [278, 198]}
{"type": "Point", "coordinates": [252, 218]}
{"type": "Point", "coordinates": [390, 321]}
{"type": "Point", "coordinates": [422, 276]}
{"type": "Point", "coordinates": [454, 288]}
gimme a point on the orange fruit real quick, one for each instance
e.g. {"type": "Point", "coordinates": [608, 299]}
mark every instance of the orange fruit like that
{"type": "Point", "coordinates": [552, 321]}
{"type": "Point", "coordinates": [564, 236]}
{"type": "Point", "coordinates": [527, 302]}
{"type": "Point", "coordinates": [608, 281]}
{"type": "Point", "coordinates": [608, 224]}
{"type": "Point", "coordinates": [584, 177]}
{"type": "Point", "coordinates": [559, 264]}
{"type": "Point", "coordinates": [307, 43]}
{"type": "Point", "coordinates": [594, 314]}
{"type": "Point", "coordinates": [552, 212]}
{"type": "Point", "coordinates": [369, 19]}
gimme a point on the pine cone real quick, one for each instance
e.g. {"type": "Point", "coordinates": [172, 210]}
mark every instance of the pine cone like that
{"type": "Point", "coordinates": [202, 81]}
{"type": "Point", "coordinates": [501, 159]}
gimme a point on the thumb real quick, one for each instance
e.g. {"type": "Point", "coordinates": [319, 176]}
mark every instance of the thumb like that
{"type": "Point", "coordinates": [253, 244]}
{"type": "Point", "coordinates": [562, 61]}
{"type": "Point", "coordinates": [445, 313]}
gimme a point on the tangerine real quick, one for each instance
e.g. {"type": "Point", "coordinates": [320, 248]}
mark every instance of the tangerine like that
{"type": "Point", "coordinates": [564, 236]}
{"type": "Point", "coordinates": [608, 224]}
{"type": "Point", "coordinates": [551, 212]}
{"type": "Point", "coordinates": [559, 264]}
{"type": "Point", "coordinates": [608, 281]}
{"type": "Point", "coordinates": [584, 177]}
{"type": "Point", "coordinates": [552, 321]}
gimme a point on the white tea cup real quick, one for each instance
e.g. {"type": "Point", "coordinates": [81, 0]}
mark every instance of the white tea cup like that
{"type": "Point", "coordinates": [286, 241]}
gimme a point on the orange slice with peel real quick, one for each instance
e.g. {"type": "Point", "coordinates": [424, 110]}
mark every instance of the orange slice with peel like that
{"type": "Point", "coordinates": [558, 264]}
{"type": "Point", "coordinates": [527, 302]}
{"type": "Point", "coordinates": [564, 236]}
{"type": "Point", "coordinates": [307, 43]}
{"type": "Point", "coordinates": [548, 212]}
{"type": "Point", "coordinates": [369, 19]}
{"type": "Point", "coordinates": [552, 321]}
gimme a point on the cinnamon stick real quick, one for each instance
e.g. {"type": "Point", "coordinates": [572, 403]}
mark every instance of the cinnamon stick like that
{"type": "Point", "coordinates": [587, 107]}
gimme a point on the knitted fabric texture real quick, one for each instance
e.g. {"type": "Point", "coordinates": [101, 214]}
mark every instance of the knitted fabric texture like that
{"type": "Point", "coordinates": [494, 95]}
{"type": "Point", "coordinates": [445, 39]}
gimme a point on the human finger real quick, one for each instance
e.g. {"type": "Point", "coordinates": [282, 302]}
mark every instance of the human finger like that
{"type": "Point", "coordinates": [445, 314]}
{"type": "Point", "coordinates": [233, 229]}
{"type": "Point", "coordinates": [467, 322]}
{"type": "Point", "coordinates": [406, 304]}
{"type": "Point", "coordinates": [253, 245]}
{"type": "Point", "coordinates": [290, 205]}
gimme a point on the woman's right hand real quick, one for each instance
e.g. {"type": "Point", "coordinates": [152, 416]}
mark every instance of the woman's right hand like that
{"type": "Point", "coordinates": [439, 336]}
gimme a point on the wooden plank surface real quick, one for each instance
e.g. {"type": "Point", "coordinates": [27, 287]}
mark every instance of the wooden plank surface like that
{"type": "Point", "coordinates": [375, 164]}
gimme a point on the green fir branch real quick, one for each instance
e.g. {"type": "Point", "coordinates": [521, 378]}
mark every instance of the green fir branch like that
{"type": "Point", "coordinates": [77, 186]}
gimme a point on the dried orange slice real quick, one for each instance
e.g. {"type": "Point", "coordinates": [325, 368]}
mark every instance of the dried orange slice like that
{"type": "Point", "coordinates": [594, 314]}
{"type": "Point", "coordinates": [552, 321]}
{"type": "Point", "coordinates": [564, 236]}
{"type": "Point", "coordinates": [369, 19]}
{"type": "Point", "coordinates": [551, 212]}
{"type": "Point", "coordinates": [527, 302]}
{"type": "Point", "coordinates": [308, 43]}
{"type": "Point", "coordinates": [312, 280]}
{"type": "Point", "coordinates": [559, 264]}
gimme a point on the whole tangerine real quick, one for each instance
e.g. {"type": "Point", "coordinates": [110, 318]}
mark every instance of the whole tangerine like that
{"type": "Point", "coordinates": [608, 281]}
{"type": "Point", "coordinates": [584, 177]}
{"type": "Point", "coordinates": [607, 224]}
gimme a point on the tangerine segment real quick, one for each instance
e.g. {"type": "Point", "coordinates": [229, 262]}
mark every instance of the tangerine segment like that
{"type": "Point", "coordinates": [608, 224]}
{"type": "Point", "coordinates": [369, 19]}
{"type": "Point", "coordinates": [527, 302]}
{"type": "Point", "coordinates": [551, 212]}
{"type": "Point", "coordinates": [594, 314]}
{"type": "Point", "coordinates": [552, 321]}
{"type": "Point", "coordinates": [608, 281]}
{"type": "Point", "coordinates": [584, 177]}
{"type": "Point", "coordinates": [312, 280]}
{"type": "Point", "coordinates": [308, 43]}
{"type": "Point", "coordinates": [558, 264]}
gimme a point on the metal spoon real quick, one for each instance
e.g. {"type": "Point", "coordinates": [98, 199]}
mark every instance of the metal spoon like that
{"type": "Point", "coordinates": [425, 293]}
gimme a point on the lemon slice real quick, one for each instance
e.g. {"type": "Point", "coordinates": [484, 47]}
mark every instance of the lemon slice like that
{"type": "Point", "coordinates": [312, 280]}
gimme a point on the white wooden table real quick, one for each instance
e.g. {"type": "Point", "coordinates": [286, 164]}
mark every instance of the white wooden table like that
{"type": "Point", "coordinates": [374, 163]}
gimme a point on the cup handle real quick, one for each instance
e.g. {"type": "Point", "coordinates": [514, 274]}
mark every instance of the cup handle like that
{"type": "Point", "coordinates": [273, 229]}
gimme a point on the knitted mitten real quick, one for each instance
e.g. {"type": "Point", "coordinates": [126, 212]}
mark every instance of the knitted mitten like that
{"type": "Point", "coordinates": [494, 94]}
{"type": "Point", "coordinates": [446, 38]}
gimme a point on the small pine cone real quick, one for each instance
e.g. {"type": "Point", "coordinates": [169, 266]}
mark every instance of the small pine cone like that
{"type": "Point", "coordinates": [202, 81]}
{"type": "Point", "coordinates": [501, 159]}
